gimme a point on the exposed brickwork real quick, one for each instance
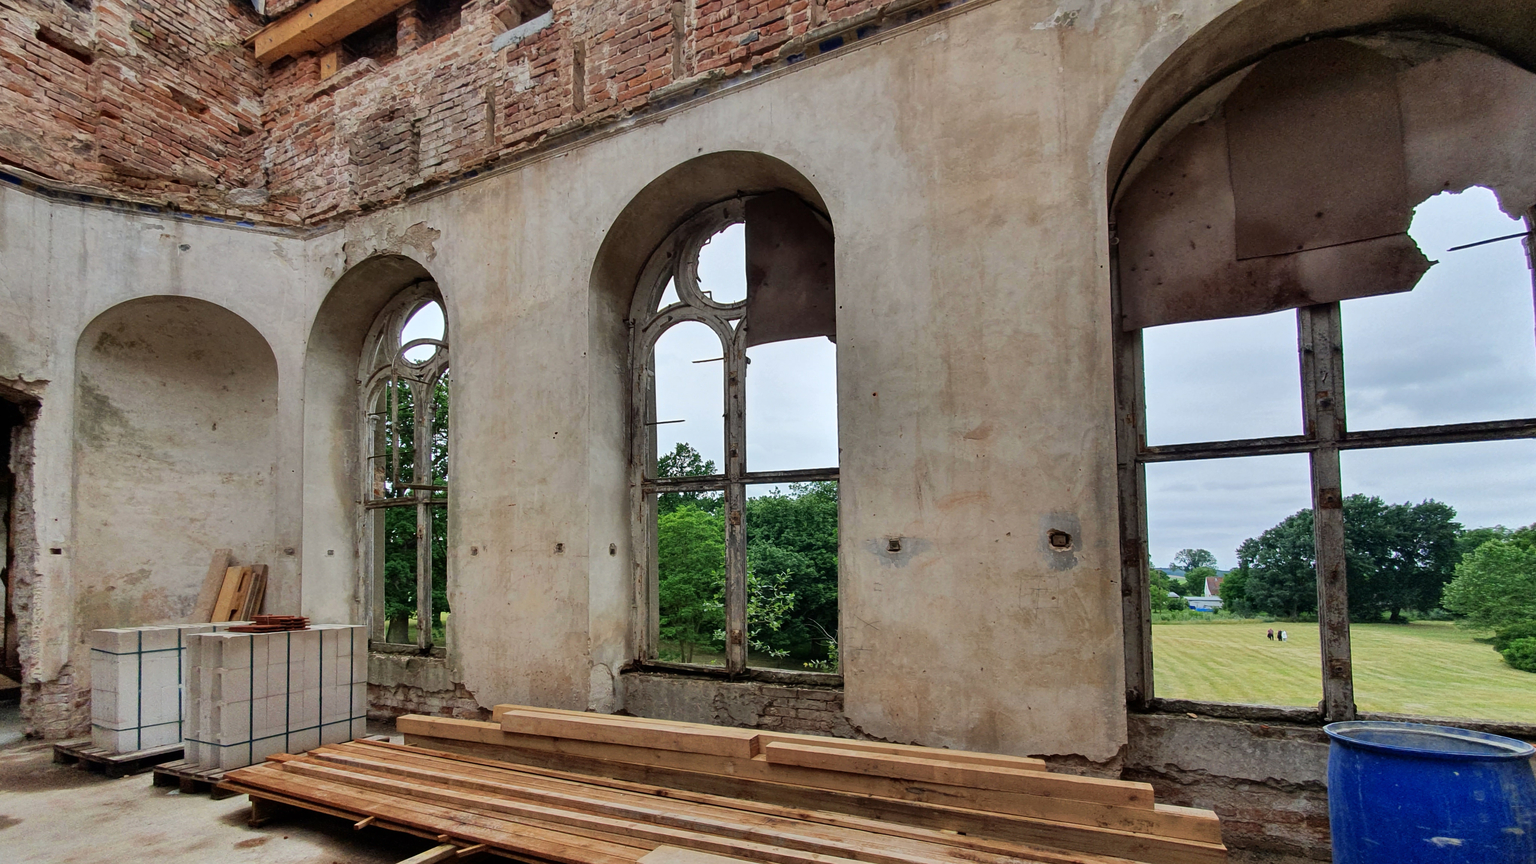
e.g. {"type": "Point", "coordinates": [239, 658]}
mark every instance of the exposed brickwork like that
{"type": "Point", "coordinates": [386, 702]}
{"type": "Point", "coordinates": [164, 102]}
{"type": "Point", "coordinates": [56, 709]}
{"type": "Point", "coordinates": [745, 704]}
{"type": "Point", "coordinates": [158, 101]}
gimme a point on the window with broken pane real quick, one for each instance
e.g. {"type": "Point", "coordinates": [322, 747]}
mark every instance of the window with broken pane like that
{"type": "Point", "coordinates": [735, 441]}
{"type": "Point", "coordinates": [405, 386]}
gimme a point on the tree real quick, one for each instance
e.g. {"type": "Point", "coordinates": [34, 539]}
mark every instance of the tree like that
{"type": "Point", "coordinates": [1281, 578]}
{"type": "Point", "coordinates": [690, 558]}
{"type": "Point", "coordinates": [1160, 585]}
{"type": "Point", "coordinates": [1398, 556]}
{"type": "Point", "coordinates": [794, 534]}
{"type": "Point", "coordinates": [1189, 559]}
{"type": "Point", "coordinates": [400, 522]}
{"type": "Point", "coordinates": [684, 461]}
{"type": "Point", "coordinates": [1234, 592]}
{"type": "Point", "coordinates": [1495, 585]}
{"type": "Point", "coordinates": [1194, 580]}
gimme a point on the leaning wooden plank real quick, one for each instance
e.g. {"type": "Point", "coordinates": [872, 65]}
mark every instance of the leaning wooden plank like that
{"type": "Point", "coordinates": [689, 738]}
{"type": "Point", "coordinates": [573, 805]}
{"type": "Point", "coordinates": [474, 766]}
{"type": "Point", "coordinates": [550, 845]}
{"type": "Point", "coordinates": [1154, 836]}
{"type": "Point", "coordinates": [256, 593]}
{"type": "Point", "coordinates": [790, 847]}
{"type": "Point", "coordinates": [208, 596]}
{"type": "Point", "coordinates": [1137, 819]}
{"type": "Point", "coordinates": [1070, 786]}
{"type": "Point", "coordinates": [317, 25]}
{"type": "Point", "coordinates": [678, 855]}
{"type": "Point", "coordinates": [237, 582]}
{"type": "Point", "coordinates": [962, 756]}
{"type": "Point", "coordinates": [445, 852]}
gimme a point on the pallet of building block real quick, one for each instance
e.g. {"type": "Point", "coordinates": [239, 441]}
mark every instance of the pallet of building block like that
{"type": "Point", "coordinates": [257, 694]}
{"type": "Point", "coordinates": [137, 678]}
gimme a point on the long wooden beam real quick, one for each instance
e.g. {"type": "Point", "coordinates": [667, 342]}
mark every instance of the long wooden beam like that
{"type": "Point", "coordinates": [318, 25]}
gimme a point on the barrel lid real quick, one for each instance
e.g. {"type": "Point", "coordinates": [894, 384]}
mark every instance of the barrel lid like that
{"type": "Point", "coordinates": [1419, 739]}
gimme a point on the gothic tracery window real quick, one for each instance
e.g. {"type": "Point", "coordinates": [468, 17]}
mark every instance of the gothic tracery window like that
{"type": "Point", "coordinates": [405, 390]}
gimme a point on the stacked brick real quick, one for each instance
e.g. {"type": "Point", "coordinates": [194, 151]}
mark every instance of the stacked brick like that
{"type": "Point", "coordinates": [137, 685]}
{"type": "Point", "coordinates": [251, 695]}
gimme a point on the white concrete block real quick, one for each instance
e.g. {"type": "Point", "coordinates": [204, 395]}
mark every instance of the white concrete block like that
{"type": "Point", "coordinates": [359, 727]}
{"type": "Point", "coordinates": [303, 741]}
{"type": "Point", "coordinates": [335, 733]}
{"type": "Point", "coordinates": [118, 640]}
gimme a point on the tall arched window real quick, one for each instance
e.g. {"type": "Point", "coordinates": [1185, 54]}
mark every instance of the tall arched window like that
{"type": "Point", "coordinates": [746, 280]}
{"type": "Point", "coordinates": [404, 375]}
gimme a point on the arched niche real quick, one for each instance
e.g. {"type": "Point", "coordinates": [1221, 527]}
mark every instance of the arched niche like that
{"type": "Point", "coordinates": [334, 588]}
{"type": "Point", "coordinates": [175, 456]}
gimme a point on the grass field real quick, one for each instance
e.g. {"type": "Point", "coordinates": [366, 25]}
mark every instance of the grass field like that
{"type": "Point", "coordinates": [1429, 667]}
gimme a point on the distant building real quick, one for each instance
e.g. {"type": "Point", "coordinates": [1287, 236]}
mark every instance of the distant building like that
{"type": "Point", "coordinates": [1204, 604]}
{"type": "Point", "coordinates": [1213, 585]}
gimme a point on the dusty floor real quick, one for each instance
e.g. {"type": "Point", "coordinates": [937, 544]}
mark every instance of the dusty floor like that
{"type": "Point", "coordinates": [58, 813]}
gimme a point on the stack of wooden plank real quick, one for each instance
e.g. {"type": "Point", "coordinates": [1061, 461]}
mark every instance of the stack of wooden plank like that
{"type": "Point", "coordinates": [272, 624]}
{"type": "Point", "coordinates": [886, 802]}
{"type": "Point", "coordinates": [240, 594]}
{"type": "Point", "coordinates": [569, 818]}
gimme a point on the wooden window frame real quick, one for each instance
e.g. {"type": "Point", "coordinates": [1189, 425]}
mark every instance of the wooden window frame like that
{"type": "Point", "coordinates": [676, 261]}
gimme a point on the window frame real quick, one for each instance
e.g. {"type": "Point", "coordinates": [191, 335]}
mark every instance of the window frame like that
{"type": "Point", "coordinates": [676, 260]}
{"type": "Point", "coordinates": [1325, 435]}
{"type": "Point", "coordinates": [382, 368]}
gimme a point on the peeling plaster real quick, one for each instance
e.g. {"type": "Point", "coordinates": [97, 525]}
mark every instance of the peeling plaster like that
{"type": "Point", "coordinates": [418, 236]}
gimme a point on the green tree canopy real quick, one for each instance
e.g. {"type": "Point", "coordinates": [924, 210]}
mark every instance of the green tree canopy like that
{"type": "Point", "coordinates": [690, 558]}
{"type": "Point", "coordinates": [793, 535]}
{"type": "Point", "coordinates": [1159, 585]}
{"type": "Point", "coordinates": [1189, 559]}
{"type": "Point", "coordinates": [1279, 563]}
{"type": "Point", "coordinates": [684, 461]}
{"type": "Point", "coordinates": [1234, 592]}
{"type": "Point", "coordinates": [1495, 585]}
{"type": "Point", "coordinates": [1399, 556]}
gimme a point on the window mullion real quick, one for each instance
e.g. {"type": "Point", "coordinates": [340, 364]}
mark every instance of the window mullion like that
{"type": "Point", "coordinates": [735, 507]}
{"type": "Point", "coordinates": [422, 472]}
{"type": "Point", "coordinates": [1322, 379]}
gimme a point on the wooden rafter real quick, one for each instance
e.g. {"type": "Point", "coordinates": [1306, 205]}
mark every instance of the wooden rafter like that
{"type": "Point", "coordinates": [318, 25]}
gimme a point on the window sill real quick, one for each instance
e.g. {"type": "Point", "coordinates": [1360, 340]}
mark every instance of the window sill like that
{"type": "Point", "coordinates": [767, 676]}
{"type": "Point", "coordinates": [1314, 717]}
{"type": "Point", "coordinates": [436, 651]}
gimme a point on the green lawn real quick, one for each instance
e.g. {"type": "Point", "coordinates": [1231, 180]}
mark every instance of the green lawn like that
{"type": "Point", "coordinates": [1429, 667]}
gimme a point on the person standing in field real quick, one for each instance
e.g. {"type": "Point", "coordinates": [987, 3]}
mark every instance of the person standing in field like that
{"type": "Point", "coordinates": [1271, 634]}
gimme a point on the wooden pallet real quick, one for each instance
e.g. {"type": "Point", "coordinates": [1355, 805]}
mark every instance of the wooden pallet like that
{"type": "Point", "coordinates": [83, 754]}
{"type": "Point", "coordinates": [192, 778]}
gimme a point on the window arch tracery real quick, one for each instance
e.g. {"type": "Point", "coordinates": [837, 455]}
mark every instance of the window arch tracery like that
{"type": "Point", "coordinates": [404, 384]}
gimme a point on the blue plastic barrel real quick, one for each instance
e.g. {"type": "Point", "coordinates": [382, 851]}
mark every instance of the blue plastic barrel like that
{"type": "Point", "coordinates": [1406, 793]}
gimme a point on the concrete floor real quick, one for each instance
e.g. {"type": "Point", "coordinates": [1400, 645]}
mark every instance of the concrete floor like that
{"type": "Point", "coordinates": [58, 814]}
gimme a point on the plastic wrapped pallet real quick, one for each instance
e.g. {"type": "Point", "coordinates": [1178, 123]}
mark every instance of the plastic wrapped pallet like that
{"type": "Point", "coordinates": [137, 678]}
{"type": "Point", "coordinates": [255, 694]}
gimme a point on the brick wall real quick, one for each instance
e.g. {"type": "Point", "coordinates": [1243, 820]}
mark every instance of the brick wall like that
{"type": "Point", "coordinates": [153, 101]}
{"type": "Point", "coordinates": [164, 103]}
{"type": "Point", "coordinates": [746, 704]}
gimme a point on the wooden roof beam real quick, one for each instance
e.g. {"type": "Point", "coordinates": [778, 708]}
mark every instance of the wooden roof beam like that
{"type": "Point", "coordinates": [318, 25]}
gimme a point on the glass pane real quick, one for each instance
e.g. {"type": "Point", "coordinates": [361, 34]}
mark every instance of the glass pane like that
{"type": "Point", "coordinates": [690, 569]}
{"type": "Point", "coordinates": [1252, 517]}
{"type": "Point", "coordinates": [792, 405]}
{"type": "Point", "coordinates": [693, 393]}
{"type": "Point", "coordinates": [723, 265]}
{"type": "Point", "coordinates": [1460, 346]}
{"type": "Point", "coordinates": [792, 576]}
{"type": "Point", "coordinates": [1417, 520]}
{"type": "Point", "coordinates": [1222, 380]}
{"type": "Point", "coordinates": [400, 574]}
{"type": "Point", "coordinates": [425, 323]}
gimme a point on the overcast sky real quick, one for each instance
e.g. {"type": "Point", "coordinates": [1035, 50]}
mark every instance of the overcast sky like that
{"type": "Point", "coordinates": [1459, 347]}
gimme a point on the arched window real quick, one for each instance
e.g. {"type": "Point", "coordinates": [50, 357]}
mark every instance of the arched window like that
{"type": "Point", "coordinates": [1318, 421]}
{"type": "Point", "coordinates": [404, 375]}
{"type": "Point", "coordinates": [749, 279]}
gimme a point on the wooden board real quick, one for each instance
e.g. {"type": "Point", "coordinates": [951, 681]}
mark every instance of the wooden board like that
{"type": "Point", "coordinates": [901, 767]}
{"type": "Point", "coordinates": [208, 595]}
{"type": "Point", "coordinates": [232, 595]}
{"type": "Point", "coordinates": [958, 756]}
{"type": "Point", "coordinates": [691, 738]}
{"type": "Point", "coordinates": [317, 25]}
{"type": "Point", "coordinates": [1175, 835]}
{"type": "Point", "coordinates": [256, 595]}
{"type": "Point", "coordinates": [680, 855]}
